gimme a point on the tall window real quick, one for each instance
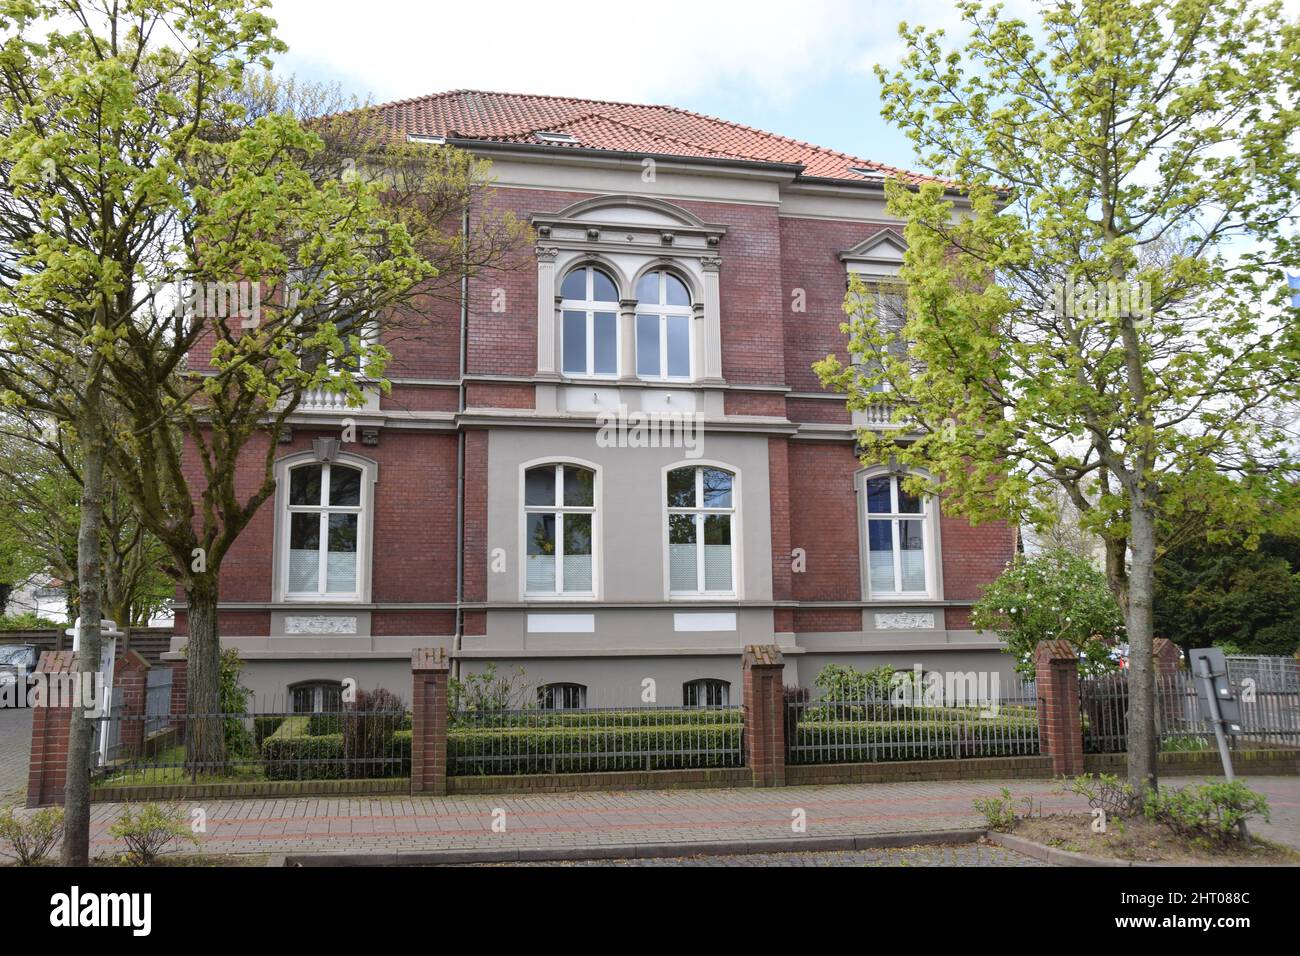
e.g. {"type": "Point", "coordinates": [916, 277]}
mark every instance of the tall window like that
{"type": "Point", "coordinates": [663, 327]}
{"type": "Point", "coordinates": [701, 510]}
{"type": "Point", "coordinates": [589, 306]}
{"type": "Point", "coordinates": [325, 517]}
{"type": "Point", "coordinates": [561, 696]}
{"type": "Point", "coordinates": [706, 692]}
{"type": "Point", "coordinates": [559, 511]}
{"type": "Point", "coordinates": [897, 538]}
{"type": "Point", "coordinates": [889, 302]}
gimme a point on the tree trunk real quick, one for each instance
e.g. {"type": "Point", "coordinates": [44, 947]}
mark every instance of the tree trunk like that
{"type": "Point", "coordinates": [5, 591]}
{"type": "Point", "coordinates": [206, 745]}
{"type": "Point", "coordinates": [1143, 746]}
{"type": "Point", "coordinates": [76, 794]}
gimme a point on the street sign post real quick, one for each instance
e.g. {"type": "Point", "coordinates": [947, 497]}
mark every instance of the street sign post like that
{"type": "Point", "coordinates": [1219, 706]}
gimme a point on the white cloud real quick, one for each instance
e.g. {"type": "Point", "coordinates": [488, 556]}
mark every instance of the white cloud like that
{"type": "Point", "coordinates": [658, 51]}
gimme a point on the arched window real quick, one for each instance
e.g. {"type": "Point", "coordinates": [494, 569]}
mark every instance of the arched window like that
{"type": "Point", "coordinates": [559, 514]}
{"type": "Point", "coordinates": [899, 537]}
{"type": "Point", "coordinates": [589, 307]}
{"type": "Point", "coordinates": [316, 696]}
{"type": "Point", "coordinates": [663, 327]}
{"type": "Point", "coordinates": [562, 696]}
{"type": "Point", "coordinates": [701, 510]}
{"type": "Point", "coordinates": [706, 692]}
{"type": "Point", "coordinates": [325, 531]}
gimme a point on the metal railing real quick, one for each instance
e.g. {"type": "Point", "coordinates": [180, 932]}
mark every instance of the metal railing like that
{"type": "Point", "coordinates": [1269, 713]}
{"type": "Point", "coordinates": [590, 740]}
{"type": "Point", "coordinates": [342, 744]}
{"type": "Point", "coordinates": [882, 727]}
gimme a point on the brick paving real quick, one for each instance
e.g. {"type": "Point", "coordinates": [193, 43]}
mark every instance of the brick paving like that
{"type": "Point", "coordinates": [389, 825]}
{"type": "Point", "coordinates": [939, 855]}
{"type": "Point", "coordinates": [15, 746]}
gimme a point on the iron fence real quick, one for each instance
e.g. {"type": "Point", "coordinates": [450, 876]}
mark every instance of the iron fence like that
{"type": "Point", "coordinates": [158, 700]}
{"type": "Point", "coordinates": [883, 726]}
{"type": "Point", "coordinates": [1269, 713]}
{"type": "Point", "coordinates": [593, 739]}
{"type": "Point", "coordinates": [341, 744]}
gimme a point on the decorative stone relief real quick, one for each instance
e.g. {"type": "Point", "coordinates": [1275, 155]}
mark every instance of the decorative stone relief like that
{"type": "Point", "coordinates": [905, 621]}
{"type": "Point", "coordinates": [320, 624]}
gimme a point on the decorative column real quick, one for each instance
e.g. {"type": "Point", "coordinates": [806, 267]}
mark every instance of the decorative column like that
{"type": "Point", "coordinates": [546, 324]}
{"type": "Point", "coordinates": [709, 341]}
{"type": "Point", "coordinates": [627, 340]}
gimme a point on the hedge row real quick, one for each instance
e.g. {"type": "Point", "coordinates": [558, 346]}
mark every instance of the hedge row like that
{"type": "Point", "coordinates": [632, 718]}
{"type": "Point", "coordinates": [291, 754]}
{"type": "Point", "coordinates": [513, 750]}
{"type": "Point", "coordinates": [846, 741]}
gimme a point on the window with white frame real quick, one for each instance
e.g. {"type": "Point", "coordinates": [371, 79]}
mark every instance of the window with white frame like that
{"type": "Point", "coordinates": [589, 323]}
{"type": "Point", "coordinates": [701, 515]}
{"type": "Point", "coordinates": [663, 327]}
{"type": "Point", "coordinates": [899, 538]}
{"type": "Point", "coordinates": [314, 697]}
{"type": "Point", "coordinates": [706, 692]}
{"type": "Point", "coordinates": [562, 696]}
{"type": "Point", "coordinates": [326, 518]}
{"type": "Point", "coordinates": [888, 301]}
{"type": "Point", "coordinates": [559, 517]}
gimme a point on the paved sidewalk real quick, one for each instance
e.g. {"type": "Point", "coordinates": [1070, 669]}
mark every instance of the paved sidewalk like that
{"type": "Point", "coordinates": [404, 824]}
{"type": "Point", "coordinates": [15, 746]}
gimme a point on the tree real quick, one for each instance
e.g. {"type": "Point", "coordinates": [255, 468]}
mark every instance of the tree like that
{"type": "Point", "coordinates": [297, 252]}
{"type": "Point", "coordinates": [40, 490]}
{"type": "Point", "coordinates": [119, 172]}
{"type": "Point", "coordinates": [1107, 315]}
{"type": "Point", "coordinates": [1229, 596]}
{"type": "Point", "coordinates": [1054, 595]}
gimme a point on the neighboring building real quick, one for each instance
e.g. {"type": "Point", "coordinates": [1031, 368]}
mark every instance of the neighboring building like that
{"type": "Point", "coordinates": [41, 595]}
{"type": "Point", "coordinates": [682, 265]}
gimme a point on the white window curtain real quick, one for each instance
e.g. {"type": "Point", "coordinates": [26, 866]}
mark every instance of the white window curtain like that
{"type": "Point", "coordinates": [701, 518]}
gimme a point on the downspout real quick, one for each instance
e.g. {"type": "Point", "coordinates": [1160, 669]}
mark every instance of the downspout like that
{"type": "Point", "coordinates": [460, 447]}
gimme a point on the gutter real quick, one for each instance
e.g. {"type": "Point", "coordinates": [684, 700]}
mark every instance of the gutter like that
{"type": "Point", "coordinates": [460, 450]}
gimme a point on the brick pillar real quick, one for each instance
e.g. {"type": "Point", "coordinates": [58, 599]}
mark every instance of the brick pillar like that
{"type": "Point", "coordinates": [1167, 656]}
{"type": "Point", "coordinates": [1060, 732]}
{"type": "Point", "coordinates": [131, 674]}
{"type": "Point", "coordinates": [48, 767]}
{"type": "Point", "coordinates": [764, 669]}
{"type": "Point", "coordinates": [429, 673]}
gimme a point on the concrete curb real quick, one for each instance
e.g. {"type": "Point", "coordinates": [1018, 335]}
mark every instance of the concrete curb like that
{"type": "Point", "coordinates": [630, 851]}
{"type": "Point", "coordinates": [1048, 854]}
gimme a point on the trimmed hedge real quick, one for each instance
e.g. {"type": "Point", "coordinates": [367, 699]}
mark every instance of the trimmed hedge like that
{"type": "Point", "coordinates": [595, 719]}
{"type": "Point", "coordinates": [293, 752]}
{"type": "Point", "coordinates": [861, 741]}
{"type": "Point", "coordinates": [588, 749]}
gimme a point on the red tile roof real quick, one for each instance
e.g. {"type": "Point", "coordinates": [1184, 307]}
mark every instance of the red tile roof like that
{"type": "Point", "coordinates": [627, 127]}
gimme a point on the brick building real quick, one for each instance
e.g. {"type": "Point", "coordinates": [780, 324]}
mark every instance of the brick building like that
{"type": "Point", "coordinates": [509, 500]}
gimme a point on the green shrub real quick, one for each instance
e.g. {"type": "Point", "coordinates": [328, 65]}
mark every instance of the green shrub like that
{"type": "Point", "coordinates": [999, 812]}
{"type": "Point", "coordinates": [579, 749]}
{"type": "Point", "coordinates": [845, 682]}
{"type": "Point", "coordinates": [1210, 812]}
{"type": "Point", "coordinates": [28, 621]}
{"type": "Point", "coordinates": [857, 741]}
{"type": "Point", "coordinates": [291, 753]}
{"type": "Point", "coordinates": [264, 727]}
{"type": "Point", "coordinates": [369, 725]}
{"type": "Point", "coordinates": [32, 839]}
{"type": "Point", "coordinates": [149, 830]}
{"type": "Point", "coordinates": [1106, 792]}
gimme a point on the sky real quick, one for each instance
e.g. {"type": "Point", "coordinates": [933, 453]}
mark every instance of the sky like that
{"type": "Point", "coordinates": [802, 69]}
